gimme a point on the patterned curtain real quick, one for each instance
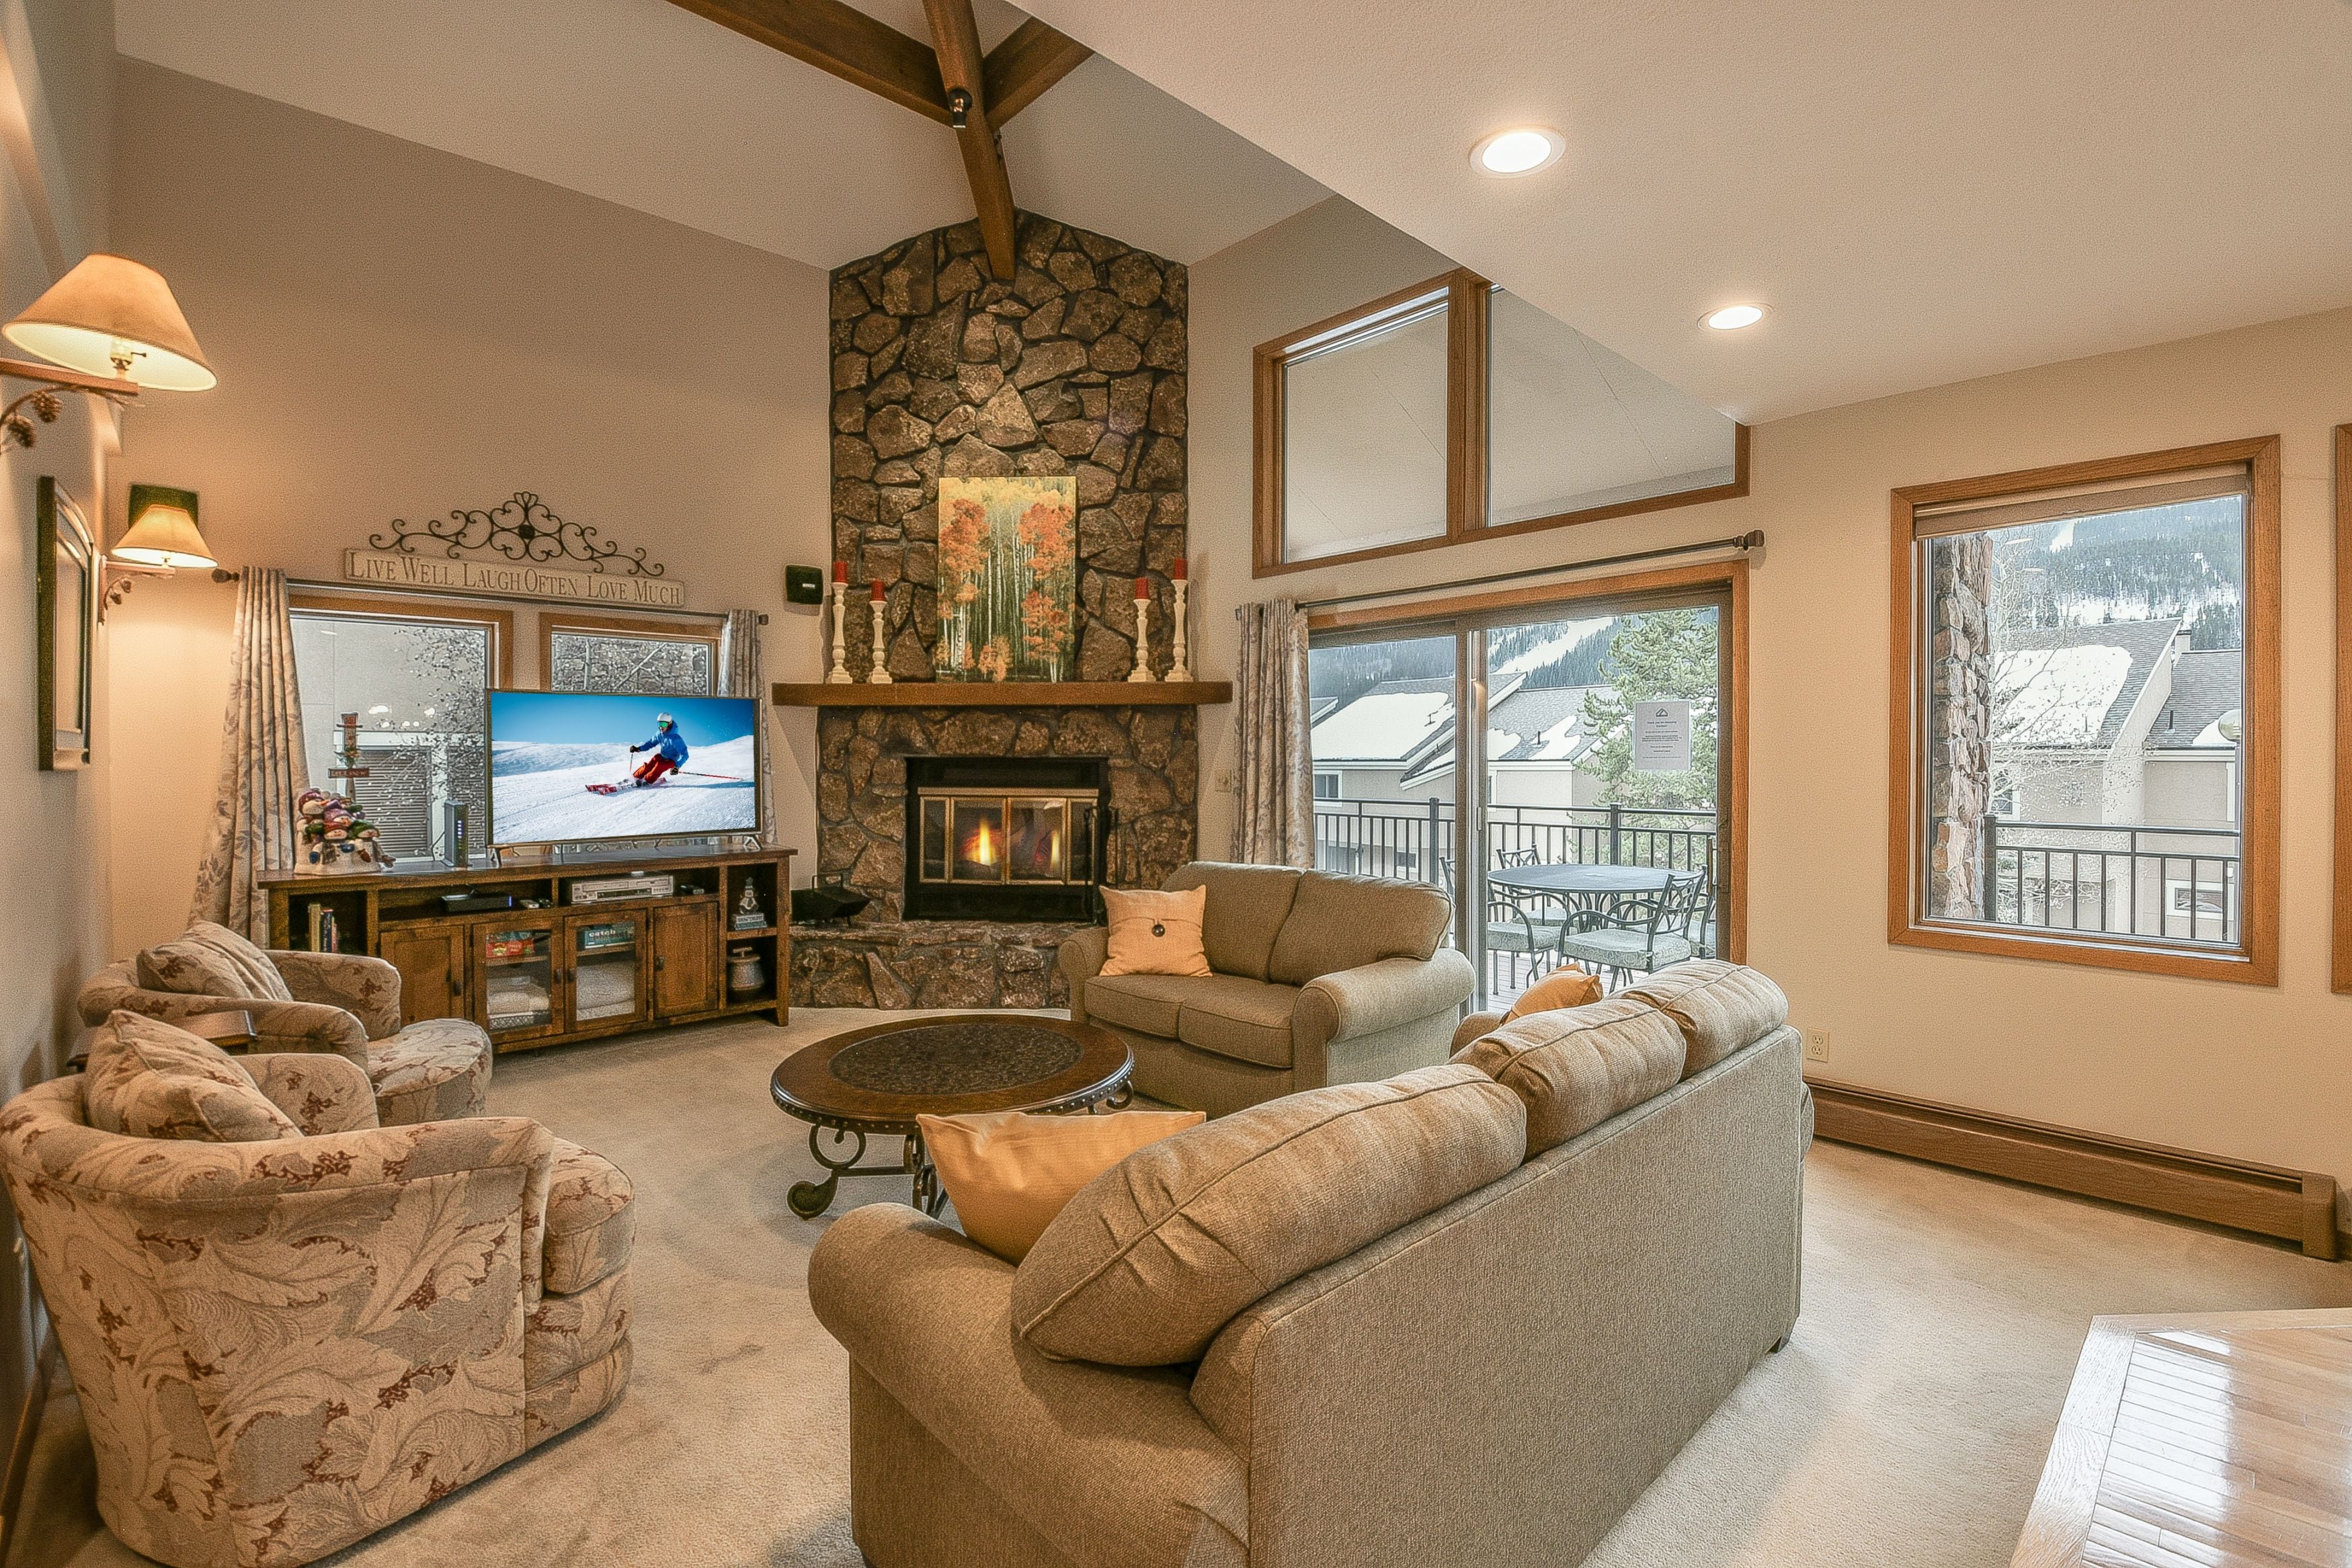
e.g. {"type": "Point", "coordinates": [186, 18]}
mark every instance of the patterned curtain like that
{"type": "Point", "coordinates": [262, 766]}
{"type": "Point", "coordinates": [743, 672]}
{"type": "Point", "coordinates": [1274, 821]}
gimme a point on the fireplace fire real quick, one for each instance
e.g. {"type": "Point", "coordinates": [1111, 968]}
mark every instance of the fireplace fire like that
{"type": "Point", "coordinates": [1010, 838]}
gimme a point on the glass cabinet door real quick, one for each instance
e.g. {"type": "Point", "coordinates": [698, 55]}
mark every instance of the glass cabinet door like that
{"type": "Point", "coordinates": [608, 968]}
{"type": "Point", "coordinates": [517, 966]}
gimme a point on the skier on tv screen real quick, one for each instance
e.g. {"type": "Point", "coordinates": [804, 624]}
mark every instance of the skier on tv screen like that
{"type": "Point", "coordinates": [668, 749]}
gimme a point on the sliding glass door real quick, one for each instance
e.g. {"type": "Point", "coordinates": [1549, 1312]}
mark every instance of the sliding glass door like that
{"type": "Point", "coordinates": [1386, 802]}
{"type": "Point", "coordinates": [1557, 768]}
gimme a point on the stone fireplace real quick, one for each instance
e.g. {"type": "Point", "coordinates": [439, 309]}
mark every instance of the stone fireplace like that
{"type": "Point", "coordinates": [1073, 365]}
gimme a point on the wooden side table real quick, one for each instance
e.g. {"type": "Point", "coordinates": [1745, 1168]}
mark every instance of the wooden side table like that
{"type": "Point", "coordinates": [2223, 1438]}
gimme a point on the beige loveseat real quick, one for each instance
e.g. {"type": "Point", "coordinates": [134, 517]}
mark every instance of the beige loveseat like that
{"type": "Point", "coordinates": [1320, 979]}
{"type": "Point", "coordinates": [282, 1347]}
{"type": "Point", "coordinates": [1490, 1383]}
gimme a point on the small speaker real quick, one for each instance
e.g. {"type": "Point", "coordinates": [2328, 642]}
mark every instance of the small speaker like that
{"type": "Point", "coordinates": [804, 585]}
{"type": "Point", "coordinates": [456, 833]}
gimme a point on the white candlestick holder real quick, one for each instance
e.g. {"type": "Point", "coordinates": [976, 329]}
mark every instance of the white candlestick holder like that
{"type": "Point", "coordinates": [840, 676]}
{"type": "Point", "coordinates": [1142, 670]}
{"type": "Point", "coordinates": [1178, 670]}
{"type": "Point", "coordinates": [881, 672]}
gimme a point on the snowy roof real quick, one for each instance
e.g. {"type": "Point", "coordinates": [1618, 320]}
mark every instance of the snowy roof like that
{"type": "Point", "coordinates": [1386, 723]}
{"type": "Point", "coordinates": [2072, 686]}
{"type": "Point", "coordinates": [2204, 687]}
{"type": "Point", "coordinates": [1542, 725]}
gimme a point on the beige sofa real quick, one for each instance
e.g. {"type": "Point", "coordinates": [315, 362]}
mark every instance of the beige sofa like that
{"type": "Point", "coordinates": [283, 1346]}
{"type": "Point", "coordinates": [1491, 1383]}
{"type": "Point", "coordinates": [1320, 979]}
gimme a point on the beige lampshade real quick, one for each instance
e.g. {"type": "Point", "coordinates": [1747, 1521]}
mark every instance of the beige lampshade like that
{"type": "Point", "coordinates": [110, 308]}
{"type": "Point", "coordinates": [165, 536]}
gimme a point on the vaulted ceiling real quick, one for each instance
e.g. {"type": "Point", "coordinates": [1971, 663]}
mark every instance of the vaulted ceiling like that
{"type": "Point", "coordinates": [1920, 192]}
{"type": "Point", "coordinates": [645, 104]}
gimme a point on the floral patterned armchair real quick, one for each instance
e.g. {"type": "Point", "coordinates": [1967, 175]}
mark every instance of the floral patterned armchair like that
{"type": "Point", "coordinates": [283, 1346]}
{"type": "Point", "coordinates": [433, 1070]}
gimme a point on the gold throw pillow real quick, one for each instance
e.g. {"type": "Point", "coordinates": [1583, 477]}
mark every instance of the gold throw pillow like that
{"type": "Point", "coordinates": [1564, 987]}
{"type": "Point", "coordinates": [1156, 932]}
{"type": "Point", "coordinates": [1009, 1173]}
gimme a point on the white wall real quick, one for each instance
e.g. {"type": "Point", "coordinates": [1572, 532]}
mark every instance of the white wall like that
{"type": "Point", "coordinates": [400, 332]}
{"type": "Point", "coordinates": [2263, 1073]}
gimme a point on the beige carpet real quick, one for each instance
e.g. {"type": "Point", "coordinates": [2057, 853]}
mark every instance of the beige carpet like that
{"type": "Point", "coordinates": [1905, 1423]}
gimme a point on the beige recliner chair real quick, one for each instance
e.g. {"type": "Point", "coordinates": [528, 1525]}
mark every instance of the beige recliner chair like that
{"type": "Point", "coordinates": [429, 1070]}
{"type": "Point", "coordinates": [283, 1346]}
{"type": "Point", "coordinates": [1320, 979]}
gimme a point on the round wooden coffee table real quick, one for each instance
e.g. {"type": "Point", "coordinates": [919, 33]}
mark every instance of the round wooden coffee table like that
{"type": "Point", "coordinates": [877, 1080]}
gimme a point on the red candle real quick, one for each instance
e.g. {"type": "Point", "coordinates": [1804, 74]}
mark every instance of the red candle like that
{"type": "Point", "coordinates": [841, 572]}
{"type": "Point", "coordinates": [879, 594]}
{"type": "Point", "coordinates": [1176, 571]}
{"type": "Point", "coordinates": [1143, 587]}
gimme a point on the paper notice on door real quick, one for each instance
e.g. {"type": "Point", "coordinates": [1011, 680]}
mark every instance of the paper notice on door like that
{"type": "Point", "coordinates": [1661, 737]}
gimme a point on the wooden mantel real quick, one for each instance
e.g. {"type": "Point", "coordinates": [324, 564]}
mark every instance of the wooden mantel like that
{"type": "Point", "coordinates": [1002, 693]}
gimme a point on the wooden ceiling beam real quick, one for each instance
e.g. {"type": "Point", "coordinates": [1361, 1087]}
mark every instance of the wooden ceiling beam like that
{"type": "Point", "coordinates": [955, 40]}
{"type": "Point", "coordinates": [1033, 57]}
{"type": "Point", "coordinates": [843, 40]}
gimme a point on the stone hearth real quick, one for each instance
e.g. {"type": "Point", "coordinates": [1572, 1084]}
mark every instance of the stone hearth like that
{"type": "Point", "coordinates": [929, 964]}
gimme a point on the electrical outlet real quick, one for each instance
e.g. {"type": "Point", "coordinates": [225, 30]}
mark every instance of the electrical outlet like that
{"type": "Point", "coordinates": [1225, 781]}
{"type": "Point", "coordinates": [1817, 1045]}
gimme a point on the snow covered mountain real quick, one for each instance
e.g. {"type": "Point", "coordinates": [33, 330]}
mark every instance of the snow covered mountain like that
{"type": "Point", "coordinates": [540, 794]}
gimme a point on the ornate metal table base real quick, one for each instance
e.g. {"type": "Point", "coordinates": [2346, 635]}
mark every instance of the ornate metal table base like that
{"type": "Point", "coordinates": [811, 1198]}
{"type": "Point", "coordinates": [845, 1097]}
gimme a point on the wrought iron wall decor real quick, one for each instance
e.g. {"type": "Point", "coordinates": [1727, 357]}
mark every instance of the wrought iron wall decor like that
{"type": "Point", "coordinates": [521, 529]}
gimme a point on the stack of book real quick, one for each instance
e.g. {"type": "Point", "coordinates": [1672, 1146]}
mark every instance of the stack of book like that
{"type": "Point", "coordinates": [326, 937]}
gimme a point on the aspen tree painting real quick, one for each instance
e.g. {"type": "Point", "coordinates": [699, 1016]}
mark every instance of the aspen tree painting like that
{"type": "Point", "coordinates": [1008, 576]}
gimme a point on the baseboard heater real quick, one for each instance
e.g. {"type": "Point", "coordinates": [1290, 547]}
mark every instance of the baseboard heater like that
{"type": "Point", "coordinates": [2268, 1200]}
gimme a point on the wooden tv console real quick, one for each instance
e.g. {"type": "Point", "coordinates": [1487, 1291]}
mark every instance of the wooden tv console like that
{"type": "Point", "coordinates": [557, 971]}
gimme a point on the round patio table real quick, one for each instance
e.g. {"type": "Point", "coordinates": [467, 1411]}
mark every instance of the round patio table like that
{"type": "Point", "coordinates": [1586, 883]}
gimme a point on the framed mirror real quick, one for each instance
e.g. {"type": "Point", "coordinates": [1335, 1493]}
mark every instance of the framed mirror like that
{"type": "Point", "coordinates": [66, 576]}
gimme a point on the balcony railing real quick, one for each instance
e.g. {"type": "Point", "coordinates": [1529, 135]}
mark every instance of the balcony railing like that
{"type": "Point", "coordinates": [1411, 841]}
{"type": "Point", "coordinates": [2114, 879]}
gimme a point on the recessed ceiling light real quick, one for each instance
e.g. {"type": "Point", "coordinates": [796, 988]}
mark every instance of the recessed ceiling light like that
{"type": "Point", "coordinates": [1731, 318]}
{"type": "Point", "coordinates": [1522, 150]}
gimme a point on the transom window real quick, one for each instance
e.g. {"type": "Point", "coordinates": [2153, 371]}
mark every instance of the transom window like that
{"type": "Point", "coordinates": [651, 658]}
{"type": "Point", "coordinates": [1452, 408]}
{"type": "Point", "coordinates": [2089, 767]}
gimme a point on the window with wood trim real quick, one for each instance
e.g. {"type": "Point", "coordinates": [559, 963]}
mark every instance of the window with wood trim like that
{"type": "Point", "coordinates": [2086, 715]}
{"type": "Point", "coordinates": [1453, 409]}
{"type": "Point", "coordinates": [643, 656]}
{"type": "Point", "coordinates": [417, 675]}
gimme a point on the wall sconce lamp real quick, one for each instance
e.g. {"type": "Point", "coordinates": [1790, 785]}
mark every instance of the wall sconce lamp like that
{"type": "Point", "coordinates": [114, 327]}
{"type": "Point", "coordinates": [163, 539]}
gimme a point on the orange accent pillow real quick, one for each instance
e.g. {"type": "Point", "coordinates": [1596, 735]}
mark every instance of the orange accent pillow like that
{"type": "Point", "coordinates": [1564, 987]}
{"type": "Point", "coordinates": [1156, 932]}
{"type": "Point", "coordinates": [1009, 1173]}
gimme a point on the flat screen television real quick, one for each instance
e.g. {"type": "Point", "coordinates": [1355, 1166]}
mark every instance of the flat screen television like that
{"type": "Point", "coordinates": [576, 767]}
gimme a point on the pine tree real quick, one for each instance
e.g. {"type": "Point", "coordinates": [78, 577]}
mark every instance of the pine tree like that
{"type": "Point", "coordinates": [1664, 655]}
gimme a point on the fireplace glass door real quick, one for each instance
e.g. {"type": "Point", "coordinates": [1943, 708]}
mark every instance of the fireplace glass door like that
{"type": "Point", "coordinates": [979, 841]}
